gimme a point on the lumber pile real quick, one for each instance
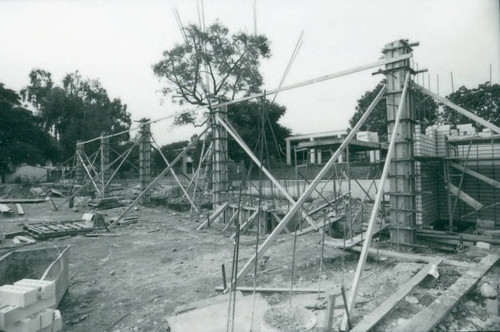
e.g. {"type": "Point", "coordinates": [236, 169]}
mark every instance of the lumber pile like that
{"type": "Point", "coordinates": [27, 306]}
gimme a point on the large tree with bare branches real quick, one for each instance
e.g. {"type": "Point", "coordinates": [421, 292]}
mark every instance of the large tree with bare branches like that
{"type": "Point", "coordinates": [212, 66]}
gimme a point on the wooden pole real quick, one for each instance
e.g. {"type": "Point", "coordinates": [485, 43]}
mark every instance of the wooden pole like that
{"type": "Point", "coordinates": [378, 199]}
{"type": "Point", "coordinates": [297, 205]}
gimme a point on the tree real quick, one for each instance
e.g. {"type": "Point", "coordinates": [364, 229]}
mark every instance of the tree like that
{"type": "Point", "coordinates": [79, 110]}
{"type": "Point", "coordinates": [212, 66]}
{"type": "Point", "coordinates": [22, 140]}
{"type": "Point", "coordinates": [247, 118]}
{"type": "Point", "coordinates": [424, 107]}
{"type": "Point", "coordinates": [484, 101]}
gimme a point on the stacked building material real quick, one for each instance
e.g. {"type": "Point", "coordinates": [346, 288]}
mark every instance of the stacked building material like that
{"type": "Point", "coordinates": [28, 306]}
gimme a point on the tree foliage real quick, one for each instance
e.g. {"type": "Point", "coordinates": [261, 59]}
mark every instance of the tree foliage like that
{"type": "Point", "coordinates": [484, 101]}
{"type": "Point", "coordinates": [212, 66]}
{"type": "Point", "coordinates": [425, 108]}
{"type": "Point", "coordinates": [79, 110]}
{"type": "Point", "coordinates": [247, 118]}
{"type": "Point", "coordinates": [22, 139]}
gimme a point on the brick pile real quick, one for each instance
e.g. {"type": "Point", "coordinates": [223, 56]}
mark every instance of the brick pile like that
{"type": "Point", "coordinates": [28, 306]}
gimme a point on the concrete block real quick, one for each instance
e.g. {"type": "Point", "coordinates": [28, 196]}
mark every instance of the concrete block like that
{"type": "Point", "coordinates": [28, 324]}
{"type": "Point", "coordinates": [483, 245]}
{"type": "Point", "coordinates": [18, 296]}
{"type": "Point", "coordinates": [46, 317]}
{"type": "Point", "coordinates": [58, 322]}
{"type": "Point", "coordinates": [9, 315]}
{"type": "Point", "coordinates": [492, 307]}
{"type": "Point", "coordinates": [46, 289]}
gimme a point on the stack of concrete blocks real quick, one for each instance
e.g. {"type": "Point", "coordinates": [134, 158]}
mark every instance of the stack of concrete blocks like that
{"type": "Point", "coordinates": [370, 136]}
{"type": "Point", "coordinates": [28, 306]}
{"type": "Point", "coordinates": [466, 129]}
{"type": "Point", "coordinates": [441, 135]}
{"type": "Point", "coordinates": [486, 133]}
{"type": "Point", "coordinates": [425, 145]}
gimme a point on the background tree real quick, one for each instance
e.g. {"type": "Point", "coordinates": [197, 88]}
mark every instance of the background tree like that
{"type": "Point", "coordinates": [79, 110]}
{"type": "Point", "coordinates": [426, 111]}
{"type": "Point", "coordinates": [484, 101]}
{"type": "Point", "coordinates": [22, 139]}
{"type": "Point", "coordinates": [212, 66]}
{"type": "Point", "coordinates": [246, 117]}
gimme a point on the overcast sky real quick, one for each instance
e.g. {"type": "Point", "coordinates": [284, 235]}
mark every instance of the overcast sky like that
{"type": "Point", "coordinates": [118, 41]}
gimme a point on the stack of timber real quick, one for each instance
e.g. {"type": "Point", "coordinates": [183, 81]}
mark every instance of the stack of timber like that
{"type": "Point", "coordinates": [46, 230]}
{"type": "Point", "coordinates": [105, 203]}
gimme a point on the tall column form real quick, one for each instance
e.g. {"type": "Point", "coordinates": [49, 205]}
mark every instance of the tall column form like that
{"type": "Point", "coordinates": [402, 168]}
{"type": "Point", "coordinates": [104, 162]}
{"type": "Point", "coordinates": [79, 171]}
{"type": "Point", "coordinates": [145, 158]}
{"type": "Point", "coordinates": [219, 159]}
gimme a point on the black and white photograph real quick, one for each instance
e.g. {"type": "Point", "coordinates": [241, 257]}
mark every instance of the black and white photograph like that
{"type": "Point", "coordinates": [249, 165]}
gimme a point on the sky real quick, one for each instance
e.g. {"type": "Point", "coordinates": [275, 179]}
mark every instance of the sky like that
{"type": "Point", "coordinates": [119, 41]}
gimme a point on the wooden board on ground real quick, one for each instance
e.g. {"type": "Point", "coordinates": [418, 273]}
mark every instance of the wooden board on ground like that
{"type": "Point", "coordinates": [204, 303]}
{"type": "Point", "coordinates": [337, 243]}
{"type": "Point", "coordinates": [214, 318]}
{"type": "Point", "coordinates": [20, 210]}
{"type": "Point", "coordinates": [370, 320]}
{"type": "Point", "coordinates": [272, 289]}
{"type": "Point", "coordinates": [56, 229]}
{"type": "Point", "coordinates": [430, 317]}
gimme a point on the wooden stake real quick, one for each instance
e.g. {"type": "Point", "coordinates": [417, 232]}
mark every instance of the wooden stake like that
{"type": "Point", "coordinates": [329, 314]}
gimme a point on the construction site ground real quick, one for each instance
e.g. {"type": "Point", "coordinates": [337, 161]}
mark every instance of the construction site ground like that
{"type": "Point", "coordinates": [132, 278]}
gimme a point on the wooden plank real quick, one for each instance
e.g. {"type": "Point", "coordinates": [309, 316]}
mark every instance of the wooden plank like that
{"type": "Point", "coordinates": [328, 223]}
{"type": "Point", "coordinates": [231, 220]}
{"type": "Point", "coordinates": [5, 209]}
{"type": "Point", "coordinates": [412, 257]}
{"type": "Point", "coordinates": [22, 201]}
{"type": "Point", "coordinates": [370, 320]}
{"type": "Point", "coordinates": [246, 223]}
{"type": "Point", "coordinates": [319, 177]}
{"type": "Point", "coordinates": [464, 197]}
{"type": "Point", "coordinates": [272, 289]}
{"type": "Point", "coordinates": [336, 243]}
{"type": "Point", "coordinates": [204, 303]}
{"type": "Point", "coordinates": [214, 215]}
{"type": "Point", "coordinates": [321, 207]}
{"type": "Point", "coordinates": [20, 210]}
{"type": "Point", "coordinates": [376, 206]}
{"type": "Point", "coordinates": [430, 317]}
{"type": "Point", "coordinates": [475, 174]}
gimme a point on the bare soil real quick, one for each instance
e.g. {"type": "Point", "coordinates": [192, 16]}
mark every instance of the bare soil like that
{"type": "Point", "coordinates": [134, 277]}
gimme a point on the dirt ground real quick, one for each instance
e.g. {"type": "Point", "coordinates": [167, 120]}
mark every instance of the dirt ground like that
{"type": "Point", "coordinates": [134, 277]}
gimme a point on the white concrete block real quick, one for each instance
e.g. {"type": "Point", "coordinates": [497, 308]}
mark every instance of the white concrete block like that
{"type": "Point", "coordinates": [483, 245]}
{"type": "Point", "coordinates": [46, 317]}
{"type": "Point", "coordinates": [28, 324]}
{"type": "Point", "coordinates": [46, 289]}
{"type": "Point", "coordinates": [10, 314]}
{"type": "Point", "coordinates": [18, 296]}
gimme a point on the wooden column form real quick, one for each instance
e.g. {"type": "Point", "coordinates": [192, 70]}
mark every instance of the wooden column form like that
{"type": "Point", "coordinates": [79, 172]}
{"type": "Point", "coordinates": [145, 158]}
{"type": "Point", "coordinates": [376, 206]}
{"type": "Point", "coordinates": [219, 158]}
{"type": "Point", "coordinates": [402, 169]}
{"type": "Point", "coordinates": [104, 163]}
